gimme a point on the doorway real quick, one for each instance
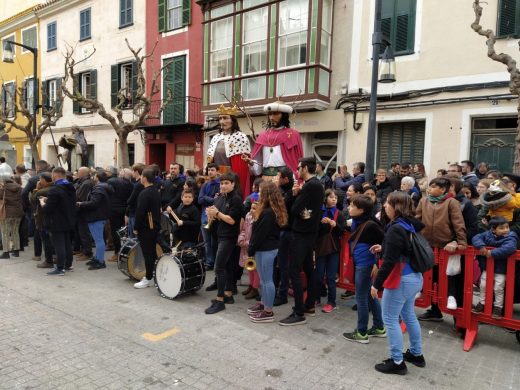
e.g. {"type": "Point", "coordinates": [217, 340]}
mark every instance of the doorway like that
{"type": "Point", "coordinates": [157, 155]}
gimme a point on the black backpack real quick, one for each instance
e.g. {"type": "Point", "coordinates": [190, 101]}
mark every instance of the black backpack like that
{"type": "Point", "coordinates": [422, 258]}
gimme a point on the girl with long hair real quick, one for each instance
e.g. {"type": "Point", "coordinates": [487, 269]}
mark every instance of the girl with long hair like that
{"type": "Point", "coordinates": [270, 216]}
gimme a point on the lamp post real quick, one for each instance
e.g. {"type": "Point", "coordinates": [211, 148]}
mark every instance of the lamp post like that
{"type": "Point", "coordinates": [387, 76]}
{"type": "Point", "coordinates": [8, 56]}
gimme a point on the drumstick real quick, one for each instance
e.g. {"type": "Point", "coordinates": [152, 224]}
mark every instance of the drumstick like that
{"type": "Point", "coordinates": [150, 220]}
{"type": "Point", "coordinates": [175, 216]}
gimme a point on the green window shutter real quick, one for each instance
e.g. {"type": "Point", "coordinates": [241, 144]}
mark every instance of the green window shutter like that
{"type": "Point", "coordinates": [93, 84]}
{"type": "Point", "coordinates": [162, 15]}
{"type": "Point", "coordinates": [76, 87]}
{"type": "Point", "coordinates": [508, 20]}
{"type": "Point", "coordinates": [175, 81]}
{"type": "Point", "coordinates": [186, 12]}
{"type": "Point", "coordinates": [58, 91]}
{"type": "Point", "coordinates": [114, 85]}
{"type": "Point", "coordinates": [134, 82]}
{"type": "Point", "coordinates": [45, 97]}
{"type": "Point", "coordinates": [402, 33]}
{"type": "Point", "coordinates": [398, 25]}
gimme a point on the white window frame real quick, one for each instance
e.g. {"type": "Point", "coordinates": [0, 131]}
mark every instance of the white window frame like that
{"type": "Point", "coordinates": [301, 74]}
{"type": "Point", "coordinates": [216, 99]}
{"type": "Point", "coordinates": [259, 91]}
{"type": "Point", "coordinates": [173, 14]}
{"type": "Point", "coordinates": [85, 89]}
{"type": "Point", "coordinates": [11, 38]}
{"type": "Point", "coordinates": [216, 51]}
{"type": "Point", "coordinates": [327, 33]}
{"type": "Point", "coordinates": [9, 100]}
{"type": "Point", "coordinates": [125, 81]}
{"type": "Point", "coordinates": [298, 32]}
{"type": "Point", "coordinates": [27, 156]}
{"type": "Point", "coordinates": [262, 42]}
{"type": "Point", "coordinates": [52, 92]}
{"type": "Point", "coordinates": [24, 50]}
{"type": "Point", "coordinates": [55, 23]}
{"type": "Point", "coordinates": [29, 97]}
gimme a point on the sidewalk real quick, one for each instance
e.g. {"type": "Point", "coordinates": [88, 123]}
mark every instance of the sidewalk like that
{"type": "Point", "coordinates": [92, 329]}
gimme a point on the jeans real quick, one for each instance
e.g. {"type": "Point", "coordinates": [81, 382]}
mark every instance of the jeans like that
{"type": "Point", "coordinates": [223, 271]}
{"type": "Point", "coordinates": [209, 245]}
{"type": "Point", "coordinates": [327, 265]}
{"type": "Point", "coordinates": [364, 300]}
{"type": "Point", "coordinates": [131, 224]}
{"type": "Point", "coordinates": [96, 229]}
{"type": "Point", "coordinates": [264, 265]}
{"type": "Point", "coordinates": [401, 301]}
{"type": "Point", "coordinates": [63, 248]}
{"type": "Point", "coordinates": [281, 275]}
{"type": "Point", "coordinates": [301, 247]}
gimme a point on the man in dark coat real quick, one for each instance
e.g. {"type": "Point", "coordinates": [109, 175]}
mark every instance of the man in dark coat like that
{"type": "Point", "coordinates": [59, 209]}
{"type": "Point", "coordinates": [123, 188]}
{"type": "Point", "coordinates": [83, 187]}
{"type": "Point", "coordinates": [172, 188]}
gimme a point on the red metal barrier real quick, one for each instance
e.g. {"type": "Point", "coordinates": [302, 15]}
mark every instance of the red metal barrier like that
{"type": "Point", "coordinates": [438, 292]}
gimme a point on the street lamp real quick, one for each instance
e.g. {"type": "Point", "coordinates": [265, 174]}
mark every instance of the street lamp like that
{"type": "Point", "coordinates": [8, 56]}
{"type": "Point", "coordinates": [386, 75]}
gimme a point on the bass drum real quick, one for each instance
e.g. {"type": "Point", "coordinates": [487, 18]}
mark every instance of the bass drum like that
{"type": "Point", "coordinates": [180, 273]}
{"type": "Point", "coordinates": [131, 259]}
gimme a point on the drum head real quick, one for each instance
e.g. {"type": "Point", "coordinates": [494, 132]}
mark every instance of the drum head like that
{"type": "Point", "coordinates": [136, 266]}
{"type": "Point", "coordinates": [168, 278]}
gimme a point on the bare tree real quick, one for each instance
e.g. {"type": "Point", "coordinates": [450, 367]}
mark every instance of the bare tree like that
{"type": "Point", "coordinates": [15, 107]}
{"type": "Point", "coordinates": [141, 102]}
{"type": "Point", "coordinates": [510, 63]}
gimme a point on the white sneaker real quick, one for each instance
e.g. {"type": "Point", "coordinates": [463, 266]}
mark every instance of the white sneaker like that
{"type": "Point", "coordinates": [452, 303]}
{"type": "Point", "coordinates": [143, 283]}
{"type": "Point", "coordinates": [418, 295]}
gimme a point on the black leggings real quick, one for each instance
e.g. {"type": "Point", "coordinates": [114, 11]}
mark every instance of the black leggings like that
{"type": "Point", "coordinates": [147, 240]}
{"type": "Point", "coordinates": [223, 267]}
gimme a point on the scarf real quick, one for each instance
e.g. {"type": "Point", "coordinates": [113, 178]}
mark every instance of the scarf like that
{"type": "Point", "coordinates": [61, 181]}
{"type": "Point", "coordinates": [440, 198]}
{"type": "Point", "coordinates": [328, 212]}
{"type": "Point", "coordinates": [357, 221]}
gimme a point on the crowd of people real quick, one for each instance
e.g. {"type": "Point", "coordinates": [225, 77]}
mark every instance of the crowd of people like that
{"type": "Point", "coordinates": [289, 213]}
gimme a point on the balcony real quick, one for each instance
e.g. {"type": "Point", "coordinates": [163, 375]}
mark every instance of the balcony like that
{"type": "Point", "coordinates": [179, 112]}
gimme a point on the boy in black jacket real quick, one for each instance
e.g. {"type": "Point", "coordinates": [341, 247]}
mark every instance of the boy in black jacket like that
{"type": "Point", "coordinates": [189, 224]}
{"type": "Point", "coordinates": [305, 222]}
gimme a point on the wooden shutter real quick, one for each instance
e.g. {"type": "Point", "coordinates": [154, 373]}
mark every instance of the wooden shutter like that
{"type": "Point", "coordinates": [93, 84]}
{"type": "Point", "coordinates": [508, 21]}
{"type": "Point", "coordinates": [400, 142]}
{"type": "Point", "coordinates": [45, 96]}
{"type": "Point", "coordinates": [134, 82]}
{"type": "Point", "coordinates": [58, 92]}
{"type": "Point", "coordinates": [162, 15]}
{"type": "Point", "coordinates": [76, 89]}
{"type": "Point", "coordinates": [175, 81]}
{"type": "Point", "coordinates": [186, 12]}
{"type": "Point", "coordinates": [387, 15]}
{"type": "Point", "coordinates": [114, 84]}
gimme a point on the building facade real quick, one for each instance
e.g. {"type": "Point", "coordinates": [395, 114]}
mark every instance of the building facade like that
{"type": "Point", "coordinates": [175, 27]}
{"type": "Point", "coordinates": [23, 28]}
{"type": "Point", "coordinates": [85, 26]}
{"type": "Point", "coordinates": [450, 102]}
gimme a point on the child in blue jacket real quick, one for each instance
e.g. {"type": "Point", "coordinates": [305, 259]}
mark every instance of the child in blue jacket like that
{"type": "Point", "coordinates": [504, 241]}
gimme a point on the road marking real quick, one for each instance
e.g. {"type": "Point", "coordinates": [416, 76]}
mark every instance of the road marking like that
{"type": "Point", "coordinates": [160, 336]}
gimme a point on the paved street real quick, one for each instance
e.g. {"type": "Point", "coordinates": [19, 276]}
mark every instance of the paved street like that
{"type": "Point", "coordinates": [92, 329]}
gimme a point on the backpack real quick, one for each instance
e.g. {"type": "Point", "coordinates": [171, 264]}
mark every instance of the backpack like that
{"type": "Point", "coordinates": [422, 258]}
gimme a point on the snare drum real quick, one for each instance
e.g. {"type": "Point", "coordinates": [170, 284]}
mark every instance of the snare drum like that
{"type": "Point", "coordinates": [131, 259]}
{"type": "Point", "coordinates": [180, 273]}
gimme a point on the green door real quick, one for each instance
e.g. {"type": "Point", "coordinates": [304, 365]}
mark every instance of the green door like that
{"type": "Point", "coordinates": [175, 81]}
{"type": "Point", "coordinates": [497, 149]}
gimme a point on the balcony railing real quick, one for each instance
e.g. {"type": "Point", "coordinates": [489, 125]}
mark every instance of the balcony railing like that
{"type": "Point", "coordinates": [181, 110]}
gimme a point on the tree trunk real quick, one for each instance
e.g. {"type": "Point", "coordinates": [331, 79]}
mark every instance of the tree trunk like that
{"type": "Point", "coordinates": [123, 158]}
{"type": "Point", "coordinates": [516, 164]}
{"type": "Point", "coordinates": [34, 150]}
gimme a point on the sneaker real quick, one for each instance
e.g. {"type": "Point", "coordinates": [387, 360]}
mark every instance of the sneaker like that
{"type": "Point", "coordinates": [263, 316]}
{"type": "Point", "coordinates": [415, 360]}
{"type": "Point", "coordinates": [257, 308]}
{"type": "Point", "coordinates": [328, 308]}
{"type": "Point", "coordinates": [389, 367]}
{"type": "Point", "coordinates": [56, 271]}
{"type": "Point", "coordinates": [310, 312]}
{"type": "Point", "coordinates": [280, 301]}
{"type": "Point", "coordinates": [91, 261]}
{"type": "Point", "coordinates": [36, 258]}
{"type": "Point", "coordinates": [5, 255]}
{"type": "Point", "coordinates": [478, 308]}
{"type": "Point", "coordinates": [212, 287]}
{"type": "Point", "coordinates": [497, 312]}
{"type": "Point", "coordinates": [376, 332]}
{"type": "Point", "coordinates": [97, 265]}
{"type": "Point", "coordinates": [215, 307]}
{"type": "Point", "coordinates": [452, 303]}
{"type": "Point", "coordinates": [347, 295]}
{"type": "Point", "coordinates": [430, 316]}
{"type": "Point", "coordinates": [228, 300]}
{"type": "Point", "coordinates": [15, 253]}
{"type": "Point", "coordinates": [357, 337]}
{"type": "Point", "coordinates": [293, 319]}
{"type": "Point", "coordinates": [143, 283]}
{"type": "Point", "coordinates": [69, 269]}
{"type": "Point", "coordinates": [44, 264]}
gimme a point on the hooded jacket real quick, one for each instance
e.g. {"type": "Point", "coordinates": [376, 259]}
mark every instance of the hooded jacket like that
{"type": "Point", "coordinates": [13, 198]}
{"type": "Point", "coordinates": [97, 205]}
{"type": "Point", "coordinates": [118, 200]}
{"type": "Point", "coordinates": [60, 207]}
{"type": "Point", "coordinates": [504, 246]}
